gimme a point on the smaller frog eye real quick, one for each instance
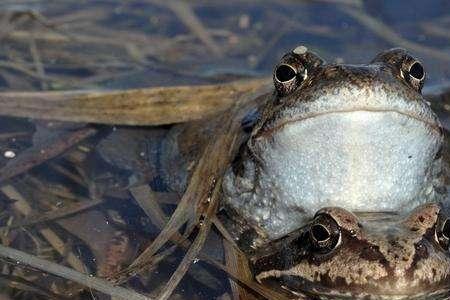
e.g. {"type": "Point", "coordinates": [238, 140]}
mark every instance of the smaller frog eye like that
{"type": "Point", "coordinates": [413, 73]}
{"type": "Point", "coordinates": [443, 232]}
{"type": "Point", "coordinates": [324, 233]}
{"type": "Point", "coordinates": [320, 234]}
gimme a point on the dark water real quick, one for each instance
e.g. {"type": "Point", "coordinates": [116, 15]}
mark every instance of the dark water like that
{"type": "Point", "coordinates": [62, 45]}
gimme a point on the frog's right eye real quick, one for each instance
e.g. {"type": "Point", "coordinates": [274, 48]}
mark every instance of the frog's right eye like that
{"type": "Point", "coordinates": [404, 65]}
{"type": "Point", "coordinates": [324, 233]}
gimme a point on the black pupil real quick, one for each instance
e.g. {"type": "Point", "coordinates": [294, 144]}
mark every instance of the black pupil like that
{"type": "Point", "coordinates": [320, 233]}
{"type": "Point", "coordinates": [285, 73]}
{"type": "Point", "coordinates": [416, 71]}
{"type": "Point", "coordinates": [446, 229]}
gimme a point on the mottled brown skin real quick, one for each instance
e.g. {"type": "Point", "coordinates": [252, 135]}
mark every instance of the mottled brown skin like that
{"type": "Point", "coordinates": [377, 256]}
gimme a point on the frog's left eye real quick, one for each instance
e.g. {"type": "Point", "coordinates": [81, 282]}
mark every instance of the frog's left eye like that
{"type": "Point", "coordinates": [443, 232]}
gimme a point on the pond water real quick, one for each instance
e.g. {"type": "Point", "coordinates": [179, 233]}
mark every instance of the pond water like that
{"type": "Point", "coordinates": [77, 194]}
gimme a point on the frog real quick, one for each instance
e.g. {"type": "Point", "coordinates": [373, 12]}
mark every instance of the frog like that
{"type": "Point", "coordinates": [357, 136]}
{"type": "Point", "coordinates": [345, 255]}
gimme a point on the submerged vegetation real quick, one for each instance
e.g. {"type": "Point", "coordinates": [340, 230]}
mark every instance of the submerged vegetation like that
{"type": "Point", "coordinates": [89, 89]}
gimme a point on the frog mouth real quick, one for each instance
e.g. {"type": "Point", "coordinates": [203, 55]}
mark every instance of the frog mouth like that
{"type": "Point", "coordinates": [431, 123]}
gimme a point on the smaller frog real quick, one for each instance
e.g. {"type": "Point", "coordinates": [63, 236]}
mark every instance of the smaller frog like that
{"type": "Point", "coordinates": [340, 255]}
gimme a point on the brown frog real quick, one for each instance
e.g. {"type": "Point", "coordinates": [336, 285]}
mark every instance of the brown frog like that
{"type": "Point", "coordinates": [341, 255]}
{"type": "Point", "coordinates": [361, 137]}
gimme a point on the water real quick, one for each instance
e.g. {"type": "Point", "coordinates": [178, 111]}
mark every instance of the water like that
{"type": "Point", "coordinates": [65, 45]}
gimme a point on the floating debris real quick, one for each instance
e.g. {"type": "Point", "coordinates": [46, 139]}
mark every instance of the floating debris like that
{"type": "Point", "coordinates": [9, 154]}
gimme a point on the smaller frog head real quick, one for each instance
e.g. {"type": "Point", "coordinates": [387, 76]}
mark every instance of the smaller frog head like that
{"type": "Point", "coordinates": [370, 256]}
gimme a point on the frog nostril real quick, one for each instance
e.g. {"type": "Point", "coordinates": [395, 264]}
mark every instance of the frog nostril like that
{"type": "Point", "coordinates": [416, 70]}
{"type": "Point", "coordinates": [320, 233]}
{"type": "Point", "coordinates": [285, 73]}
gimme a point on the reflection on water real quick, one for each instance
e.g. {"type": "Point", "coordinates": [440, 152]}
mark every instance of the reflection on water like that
{"type": "Point", "coordinates": [94, 197]}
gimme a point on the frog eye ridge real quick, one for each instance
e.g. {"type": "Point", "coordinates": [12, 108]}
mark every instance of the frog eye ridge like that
{"type": "Point", "coordinates": [404, 65]}
{"type": "Point", "coordinates": [324, 234]}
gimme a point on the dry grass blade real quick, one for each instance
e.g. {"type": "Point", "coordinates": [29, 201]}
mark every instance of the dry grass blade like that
{"type": "Point", "coordinates": [38, 65]}
{"type": "Point", "coordinates": [11, 135]}
{"type": "Point", "coordinates": [21, 205]}
{"type": "Point", "coordinates": [238, 269]}
{"type": "Point", "coordinates": [435, 29]}
{"type": "Point", "coordinates": [68, 174]}
{"type": "Point", "coordinates": [178, 218]}
{"type": "Point", "coordinates": [26, 71]}
{"type": "Point", "coordinates": [237, 262]}
{"type": "Point", "coordinates": [144, 196]}
{"type": "Point", "coordinates": [21, 284]}
{"type": "Point", "coordinates": [152, 106]}
{"type": "Point", "coordinates": [147, 199]}
{"type": "Point", "coordinates": [224, 232]}
{"type": "Point", "coordinates": [39, 154]}
{"type": "Point", "coordinates": [55, 214]}
{"type": "Point", "coordinates": [386, 33]}
{"type": "Point", "coordinates": [196, 246]}
{"type": "Point", "coordinates": [98, 284]}
{"type": "Point", "coordinates": [188, 17]}
{"type": "Point", "coordinates": [253, 285]}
